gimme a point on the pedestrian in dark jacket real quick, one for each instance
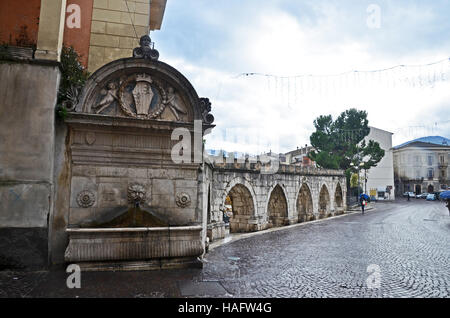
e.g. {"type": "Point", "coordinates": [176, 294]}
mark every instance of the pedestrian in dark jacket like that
{"type": "Point", "coordinates": [363, 203]}
{"type": "Point", "coordinates": [408, 196]}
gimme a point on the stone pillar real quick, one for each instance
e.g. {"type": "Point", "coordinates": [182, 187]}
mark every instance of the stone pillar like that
{"type": "Point", "coordinates": [51, 30]}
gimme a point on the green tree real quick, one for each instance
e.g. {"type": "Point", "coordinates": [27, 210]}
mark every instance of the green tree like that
{"type": "Point", "coordinates": [341, 144]}
{"type": "Point", "coordinates": [73, 78]}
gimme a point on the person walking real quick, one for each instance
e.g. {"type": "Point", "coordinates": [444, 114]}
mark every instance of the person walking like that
{"type": "Point", "coordinates": [363, 203]}
{"type": "Point", "coordinates": [408, 196]}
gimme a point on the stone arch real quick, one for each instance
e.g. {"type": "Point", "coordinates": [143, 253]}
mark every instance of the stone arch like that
{"type": "Point", "coordinates": [338, 200]}
{"type": "Point", "coordinates": [116, 73]}
{"type": "Point", "coordinates": [243, 205]}
{"type": "Point", "coordinates": [277, 207]}
{"type": "Point", "coordinates": [324, 202]}
{"type": "Point", "coordinates": [305, 207]}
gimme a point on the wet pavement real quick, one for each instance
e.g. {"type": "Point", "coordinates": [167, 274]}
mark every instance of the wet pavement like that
{"type": "Point", "coordinates": [404, 245]}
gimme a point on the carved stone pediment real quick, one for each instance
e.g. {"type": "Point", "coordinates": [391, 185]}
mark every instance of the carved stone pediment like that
{"type": "Point", "coordinates": [141, 87]}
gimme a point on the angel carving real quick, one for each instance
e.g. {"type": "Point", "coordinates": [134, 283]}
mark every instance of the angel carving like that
{"type": "Point", "coordinates": [110, 97]}
{"type": "Point", "coordinates": [173, 105]}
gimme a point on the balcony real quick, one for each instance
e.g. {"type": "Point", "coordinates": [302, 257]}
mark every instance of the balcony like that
{"type": "Point", "coordinates": [443, 165]}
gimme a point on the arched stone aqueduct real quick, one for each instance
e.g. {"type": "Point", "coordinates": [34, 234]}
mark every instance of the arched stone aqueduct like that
{"type": "Point", "coordinates": [261, 201]}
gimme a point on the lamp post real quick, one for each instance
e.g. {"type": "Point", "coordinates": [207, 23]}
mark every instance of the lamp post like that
{"type": "Point", "coordinates": [365, 181]}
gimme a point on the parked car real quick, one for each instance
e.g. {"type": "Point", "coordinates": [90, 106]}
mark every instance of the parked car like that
{"type": "Point", "coordinates": [411, 194]}
{"type": "Point", "coordinates": [422, 196]}
{"type": "Point", "coordinates": [431, 197]}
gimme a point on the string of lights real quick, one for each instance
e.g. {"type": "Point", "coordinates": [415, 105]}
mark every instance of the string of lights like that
{"type": "Point", "coordinates": [292, 90]}
{"type": "Point", "coordinates": [400, 66]}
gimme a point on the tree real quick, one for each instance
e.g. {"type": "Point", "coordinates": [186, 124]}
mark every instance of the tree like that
{"type": "Point", "coordinates": [354, 180]}
{"type": "Point", "coordinates": [339, 144]}
{"type": "Point", "coordinates": [73, 78]}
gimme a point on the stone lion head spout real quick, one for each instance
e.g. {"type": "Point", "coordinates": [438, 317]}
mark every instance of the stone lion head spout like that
{"type": "Point", "coordinates": [136, 194]}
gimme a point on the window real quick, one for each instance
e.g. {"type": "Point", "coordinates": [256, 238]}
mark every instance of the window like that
{"type": "Point", "coordinates": [430, 173]}
{"type": "Point", "coordinates": [441, 159]}
{"type": "Point", "coordinates": [430, 160]}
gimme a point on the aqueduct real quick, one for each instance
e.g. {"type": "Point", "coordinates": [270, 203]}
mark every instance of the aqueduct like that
{"type": "Point", "coordinates": [260, 201]}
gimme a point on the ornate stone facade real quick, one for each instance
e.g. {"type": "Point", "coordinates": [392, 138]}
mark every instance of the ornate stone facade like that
{"type": "Point", "coordinates": [120, 153]}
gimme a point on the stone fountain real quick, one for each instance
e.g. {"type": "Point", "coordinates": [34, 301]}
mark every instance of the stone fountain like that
{"type": "Point", "coordinates": [131, 206]}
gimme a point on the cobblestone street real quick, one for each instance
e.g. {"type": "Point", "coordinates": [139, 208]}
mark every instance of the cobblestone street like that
{"type": "Point", "coordinates": [409, 241]}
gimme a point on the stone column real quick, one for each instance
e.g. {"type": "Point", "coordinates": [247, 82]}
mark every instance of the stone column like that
{"type": "Point", "coordinates": [51, 30]}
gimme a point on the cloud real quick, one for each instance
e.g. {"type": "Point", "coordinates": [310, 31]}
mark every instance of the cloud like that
{"type": "Point", "coordinates": [211, 42]}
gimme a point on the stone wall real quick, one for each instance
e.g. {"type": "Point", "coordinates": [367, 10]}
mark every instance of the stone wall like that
{"type": "Point", "coordinates": [141, 156]}
{"type": "Point", "coordinates": [112, 33]}
{"type": "Point", "coordinates": [27, 133]}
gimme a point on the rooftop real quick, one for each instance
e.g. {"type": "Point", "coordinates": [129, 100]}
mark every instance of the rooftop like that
{"type": "Point", "coordinates": [431, 140]}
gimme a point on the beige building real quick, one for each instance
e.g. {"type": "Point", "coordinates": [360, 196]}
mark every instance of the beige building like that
{"type": "Point", "coordinates": [100, 31]}
{"type": "Point", "coordinates": [117, 26]}
{"type": "Point", "coordinates": [421, 165]}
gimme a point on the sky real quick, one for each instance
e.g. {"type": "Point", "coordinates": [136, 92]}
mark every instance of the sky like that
{"type": "Point", "coordinates": [307, 52]}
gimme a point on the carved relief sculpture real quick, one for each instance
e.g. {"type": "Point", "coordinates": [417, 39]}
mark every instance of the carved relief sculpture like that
{"type": "Point", "coordinates": [145, 51]}
{"type": "Point", "coordinates": [205, 106]}
{"type": "Point", "coordinates": [110, 97]}
{"type": "Point", "coordinates": [136, 194]}
{"type": "Point", "coordinates": [183, 200]}
{"type": "Point", "coordinates": [143, 94]}
{"type": "Point", "coordinates": [141, 101]}
{"type": "Point", "coordinates": [86, 199]}
{"type": "Point", "coordinates": [173, 104]}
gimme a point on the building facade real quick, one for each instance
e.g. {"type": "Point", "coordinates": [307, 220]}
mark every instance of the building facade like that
{"type": "Point", "coordinates": [422, 165]}
{"type": "Point", "coordinates": [32, 138]}
{"type": "Point", "coordinates": [299, 157]}
{"type": "Point", "coordinates": [379, 180]}
{"type": "Point", "coordinates": [99, 30]}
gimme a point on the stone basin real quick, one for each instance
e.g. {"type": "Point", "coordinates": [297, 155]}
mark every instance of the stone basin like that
{"type": "Point", "coordinates": [137, 248]}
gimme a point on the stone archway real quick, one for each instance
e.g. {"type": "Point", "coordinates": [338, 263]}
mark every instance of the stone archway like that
{"type": "Point", "coordinates": [277, 208]}
{"type": "Point", "coordinates": [324, 203]}
{"type": "Point", "coordinates": [242, 207]}
{"type": "Point", "coordinates": [338, 200]}
{"type": "Point", "coordinates": [305, 205]}
{"type": "Point", "coordinates": [430, 188]}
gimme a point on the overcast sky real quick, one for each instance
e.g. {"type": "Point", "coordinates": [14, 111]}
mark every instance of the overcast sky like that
{"type": "Point", "coordinates": [213, 41]}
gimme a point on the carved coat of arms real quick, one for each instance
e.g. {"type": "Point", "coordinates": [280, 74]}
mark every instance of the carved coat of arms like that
{"type": "Point", "coordinates": [142, 97]}
{"type": "Point", "coordinates": [141, 92]}
{"type": "Point", "coordinates": [138, 96]}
